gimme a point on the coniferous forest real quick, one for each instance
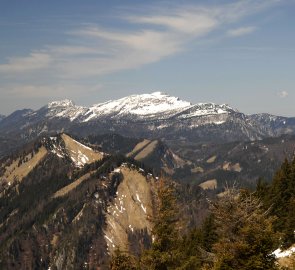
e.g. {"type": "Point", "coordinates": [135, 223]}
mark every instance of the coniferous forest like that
{"type": "Point", "coordinates": [241, 231]}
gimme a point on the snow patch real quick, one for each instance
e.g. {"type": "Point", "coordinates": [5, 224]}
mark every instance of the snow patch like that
{"type": "Point", "coordinates": [286, 253]}
{"type": "Point", "coordinates": [137, 197]}
{"type": "Point", "coordinates": [219, 122]}
{"type": "Point", "coordinates": [61, 103]}
{"type": "Point", "coordinates": [81, 160]}
{"type": "Point", "coordinates": [117, 170]}
{"type": "Point", "coordinates": [82, 145]}
{"type": "Point", "coordinates": [143, 208]}
{"type": "Point", "coordinates": [109, 239]}
{"type": "Point", "coordinates": [141, 204]}
{"type": "Point", "coordinates": [131, 228]}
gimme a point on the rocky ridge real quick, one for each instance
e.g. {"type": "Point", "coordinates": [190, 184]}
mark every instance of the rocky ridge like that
{"type": "Point", "coordinates": [69, 215]}
{"type": "Point", "coordinates": [150, 116]}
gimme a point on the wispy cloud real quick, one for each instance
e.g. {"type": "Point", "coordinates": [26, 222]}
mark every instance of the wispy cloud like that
{"type": "Point", "coordinates": [283, 94]}
{"type": "Point", "coordinates": [150, 37]}
{"type": "Point", "coordinates": [194, 22]}
{"type": "Point", "coordinates": [237, 32]}
{"type": "Point", "coordinates": [54, 91]}
{"type": "Point", "coordinates": [35, 61]}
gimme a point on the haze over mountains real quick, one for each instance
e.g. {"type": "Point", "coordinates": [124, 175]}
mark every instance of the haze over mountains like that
{"type": "Point", "coordinates": [155, 115]}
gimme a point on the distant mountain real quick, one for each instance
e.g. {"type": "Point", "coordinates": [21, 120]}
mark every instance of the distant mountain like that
{"type": "Point", "coordinates": [153, 106]}
{"type": "Point", "coordinates": [241, 162]}
{"type": "Point", "coordinates": [150, 116]}
{"type": "Point", "coordinates": [2, 117]}
{"type": "Point", "coordinates": [153, 153]}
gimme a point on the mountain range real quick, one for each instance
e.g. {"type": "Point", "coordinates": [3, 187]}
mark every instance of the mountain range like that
{"type": "Point", "coordinates": [167, 134]}
{"type": "Point", "coordinates": [239, 162]}
{"type": "Point", "coordinates": [76, 183]}
{"type": "Point", "coordinates": [66, 205]}
{"type": "Point", "coordinates": [152, 116]}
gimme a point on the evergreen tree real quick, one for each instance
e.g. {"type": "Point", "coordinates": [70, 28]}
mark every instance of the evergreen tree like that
{"type": "Point", "coordinates": [122, 261]}
{"type": "Point", "coordinates": [246, 237]}
{"type": "Point", "coordinates": [164, 253]}
{"type": "Point", "coordinates": [289, 226]}
{"type": "Point", "coordinates": [280, 198]}
{"type": "Point", "coordinates": [208, 232]}
{"type": "Point", "coordinates": [262, 190]}
{"type": "Point", "coordinates": [197, 245]}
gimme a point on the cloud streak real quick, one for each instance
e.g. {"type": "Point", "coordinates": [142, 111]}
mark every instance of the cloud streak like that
{"type": "Point", "coordinates": [35, 61]}
{"type": "Point", "coordinates": [242, 31]}
{"type": "Point", "coordinates": [155, 35]}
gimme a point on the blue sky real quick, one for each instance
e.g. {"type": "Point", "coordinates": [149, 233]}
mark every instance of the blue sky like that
{"type": "Point", "coordinates": [237, 52]}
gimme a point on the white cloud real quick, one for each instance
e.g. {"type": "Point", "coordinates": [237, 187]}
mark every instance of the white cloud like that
{"type": "Point", "coordinates": [237, 32]}
{"type": "Point", "coordinates": [283, 94]}
{"type": "Point", "coordinates": [72, 50]}
{"type": "Point", "coordinates": [35, 61]}
{"type": "Point", "coordinates": [151, 37]}
{"type": "Point", "coordinates": [195, 22]}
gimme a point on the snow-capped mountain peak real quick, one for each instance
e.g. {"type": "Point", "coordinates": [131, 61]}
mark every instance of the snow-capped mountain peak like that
{"type": "Point", "coordinates": [61, 103]}
{"type": "Point", "coordinates": [139, 105]}
{"type": "Point", "coordinates": [65, 109]}
{"type": "Point", "coordinates": [154, 115]}
{"type": "Point", "coordinates": [156, 105]}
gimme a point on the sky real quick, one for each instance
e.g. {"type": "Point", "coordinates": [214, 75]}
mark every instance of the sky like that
{"type": "Point", "coordinates": [241, 53]}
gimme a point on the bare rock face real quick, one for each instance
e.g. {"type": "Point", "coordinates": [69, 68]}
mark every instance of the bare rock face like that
{"type": "Point", "coordinates": [129, 214]}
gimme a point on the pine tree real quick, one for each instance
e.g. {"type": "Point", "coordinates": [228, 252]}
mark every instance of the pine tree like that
{"type": "Point", "coordinates": [247, 239]}
{"type": "Point", "coordinates": [279, 196]}
{"type": "Point", "coordinates": [122, 261]}
{"type": "Point", "coordinates": [262, 190]}
{"type": "Point", "coordinates": [289, 225]}
{"type": "Point", "coordinates": [209, 235]}
{"type": "Point", "coordinates": [164, 253]}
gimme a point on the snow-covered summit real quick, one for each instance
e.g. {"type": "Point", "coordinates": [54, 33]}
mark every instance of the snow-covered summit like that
{"type": "Point", "coordinates": [139, 105]}
{"type": "Point", "coordinates": [156, 105]}
{"type": "Point", "coordinates": [61, 103]}
{"type": "Point", "coordinates": [65, 109]}
{"type": "Point", "coordinates": [202, 109]}
{"type": "Point", "coordinates": [144, 104]}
